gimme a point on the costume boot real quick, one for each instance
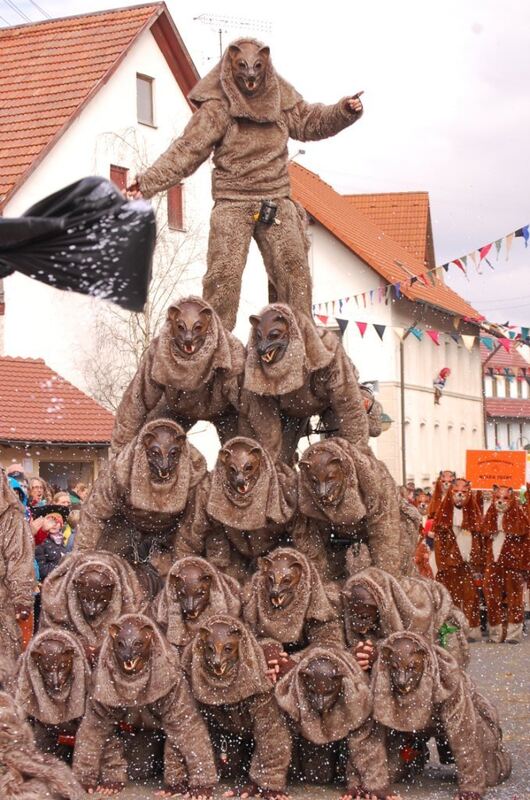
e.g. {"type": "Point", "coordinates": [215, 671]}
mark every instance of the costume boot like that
{"type": "Point", "coordinates": [475, 634]}
{"type": "Point", "coordinates": [514, 633]}
{"type": "Point", "coordinates": [495, 634]}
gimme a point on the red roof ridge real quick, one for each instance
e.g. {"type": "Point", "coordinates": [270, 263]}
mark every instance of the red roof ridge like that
{"type": "Point", "coordinates": [384, 194]}
{"type": "Point", "coordinates": [77, 16]}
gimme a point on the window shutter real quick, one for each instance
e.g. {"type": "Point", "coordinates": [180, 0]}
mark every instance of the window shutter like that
{"type": "Point", "coordinates": [175, 207]}
{"type": "Point", "coordinates": [119, 175]}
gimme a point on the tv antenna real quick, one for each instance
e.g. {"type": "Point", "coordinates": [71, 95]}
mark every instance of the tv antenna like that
{"type": "Point", "coordinates": [222, 25]}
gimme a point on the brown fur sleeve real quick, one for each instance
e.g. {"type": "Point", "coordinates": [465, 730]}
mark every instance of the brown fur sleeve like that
{"type": "Point", "coordinates": [460, 725]}
{"type": "Point", "coordinates": [367, 761]}
{"type": "Point", "coordinates": [140, 397]}
{"type": "Point", "coordinates": [206, 127]}
{"type": "Point", "coordinates": [97, 727]}
{"type": "Point", "coordinates": [193, 529]}
{"type": "Point", "coordinates": [325, 634]}
{"type": "Point", "coordinates": [187, 734]}
{"type": "Point", "coordinates": [100, 506]}
{"type": "Point", "coordinates": [346, 399]}
{"type": "Point", "coordinates": [17, 553]}
{"type": "Point", "coordinates": [313, 121]}
{"type": "Point", "coordinates": [272, 749]}
{"type": "Point", "coordinates": [259, 419]}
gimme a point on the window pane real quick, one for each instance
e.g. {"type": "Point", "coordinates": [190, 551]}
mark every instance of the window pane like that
{"type": "Point", "coordinates": [144, 99]}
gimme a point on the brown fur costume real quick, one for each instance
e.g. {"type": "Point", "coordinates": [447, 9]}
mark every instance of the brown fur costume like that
{"type": "Point", "coordinates": [411, 604]}
{"type": "Point", "coordinates": [314, 376]}
{"type": "Point", "coordinates": [506, 538]}
{"type": "Point", "coordinates": [162, 689]}
{"type": "Point", "coordinates": [239, 528]}
{"type": "Point", "coordinates": [243, 703]}
{"type": "Point", "coordinates": [126, 506]}
{"type": "Point", "coordinates": [248, 136]}
{"type": "Point", "coordinates": [368, 511]}
{"type": "Point", "coordinates": [443, 704]}
{"type": "Point", "coordinates": [348, 719]}
{"type": "Point", "coordinates": [165, 610]}
{"type": "Point", "coordinates": [311, 618]}
{"type": "Point", "coordinates": [203, 386]}
{"type": "Point", "coordinates": [454, 572]}
{"type": "Point", "coordinates": [440, 490]}
{"type": "Point", "coordinates": [17, 574]}
{"type": "Point", "coordinates": [60, 603]}
{"type": "Point", "coordinates": [26, 773]}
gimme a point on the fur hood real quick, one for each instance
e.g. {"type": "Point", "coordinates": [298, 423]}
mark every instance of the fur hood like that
{"type": "Point", "coordinates": [220, 351]}
{"type": "Point", "coordinates": [27, 773]}
{"type": "Point", "coordinates": [471, 519]}
{"type": "Point", "coordinates": [414, 711]}
{"type": "Point", "coordinates": [286, 625]}
{"type": "Point", "coordinates": [224, 599]}
{"type": "Point", "coordinates": [308, 350]}
{"type": "Point", "coordinates": [131, 471]}
{"type": "Point", "coordinates": [31, 692]}
{"type": "Point", "coordinates": [250, 678]}
{"type": "Point", "coordinates": [514, 520]}
{"type": "Point", "coordinates": [60, 604]}
{"type": "Point", "coordinates": [113, 688]}
{"type": "Point", "coordinates": [362, 493]}
{"type": "Point", "coordinates": [350, 711]}
{"type": "Point", "coordinates": [271, 500]}
{"type": "Point", "coordinates": [275, 96]}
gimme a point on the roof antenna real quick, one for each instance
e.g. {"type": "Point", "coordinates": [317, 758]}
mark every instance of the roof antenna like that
{"type": "Point", "coordinates": [223, 25]}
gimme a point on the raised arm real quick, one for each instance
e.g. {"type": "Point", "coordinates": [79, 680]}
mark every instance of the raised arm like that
{"type": "Point", "coordinates": [312, 121]}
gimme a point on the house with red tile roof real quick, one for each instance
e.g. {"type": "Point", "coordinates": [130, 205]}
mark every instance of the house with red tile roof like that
{"type": "Point", "coordinates": [507, 398]}
{"type": "Point", "coordinates": [98, 93]}
{"type": "Point", "coordinates": [361, 244]}
{"type": "Point", "coordinates": [47, 424]}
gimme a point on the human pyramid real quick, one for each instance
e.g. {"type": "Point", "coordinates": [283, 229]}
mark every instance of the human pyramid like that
{"type": "Point", "coordinates": [260, 624]}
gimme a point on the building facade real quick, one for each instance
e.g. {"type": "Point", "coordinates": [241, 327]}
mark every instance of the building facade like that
{"type": "Point", "coordinates": [506, 378]}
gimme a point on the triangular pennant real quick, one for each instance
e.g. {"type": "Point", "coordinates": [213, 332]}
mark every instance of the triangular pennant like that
{"type": "Point", "coordinates": [356, 301]}
{"type": "Point", "coordinates": [512, 334]}
{"type": "Point", "coordinates": [490, 372]}
{"type": "Point", "coordinates": [372, 296]}
{"type": "Point", "coordinates": [400, 332]}
{"type": "Point", "coordinates": [487, 341]}
{"type": "Point", "coordinates": [434, 335]}
{"type": "Point", "coordinates": [498, 245]}
{"type": "Point", "coordinates": [341, 303]}
{"type": "Point", "coordinates": [456, 322]}
{"type": "Point", "coordinates": [431, 278]}
{"type": "Point", "coordinates": [364, 299]}
{"type": "Point", "coordinates": [413, 280]}
{"type": "Point", "coordinates": [468, 340]}
{"type": "Point", "coordinates": [380, 293]}
{"type": "Point", "coordinates": [417, 332]}
{"type": "Point", "coordinates": [464, 260]}
{"type": "Point", "coordinates": [397, 290]}
{"type": "Point", "coordinates": [508, 244]}
{"type": "Point", "coordinates": [423, 279]}
{"type": "Point", "coordinates": [323, 318]}
{"type": "Point", "coordinates": [343, 324]}
{"type": "Point", "coordinates": [475, 256]}
{"type": "Point", "coordinates": [445, 267]}
{"type": "Point", "coordinates": [525, 332]}
{"type": "Point", "coordinates": [362, 327]}
{"type": "Point", "coordinates": [380, 329]}
{"type": "Point", "coordinates": [485, 250]}
{"type": "Point", "coordinates": [459, 265]}
{"type": "Point", "coordinates": [524, 233]}
{"type": "Point", "coordinates": [388, 291]}
{"type": "Point", "coordinates": [506, 343]}
{"type": "Point", "coordinates": [455, 337]}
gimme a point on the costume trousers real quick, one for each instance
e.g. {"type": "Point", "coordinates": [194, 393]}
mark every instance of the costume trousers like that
{"type": "Point", "coordinates": [283, 248]}
{"type": "Point", "coordinates": [503, 588]}
{"type": "Point", "coordinates": [460, 584]}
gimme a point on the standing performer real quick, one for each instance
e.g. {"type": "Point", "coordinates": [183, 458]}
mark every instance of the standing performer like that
{"type": "Point", "coordinates": [246, 114]}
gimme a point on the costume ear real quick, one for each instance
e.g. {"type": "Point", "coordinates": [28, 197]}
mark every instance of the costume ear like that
{"type": "Point", "coordinates": [203, 634]}
{"type": "Point", "coordinates": [114, 630]}
{"type": "Point", "coordinates": [234, 630]}
{"type": "Point", "coordinates": [254, 320]}
{"type": "Point", "coordinates": [148, 630]}
{"type": "Point", "coordinates": [206, 314]}
{"type": "Point", "coordinates": [264, 564]}
{"type": "Point", "coordinates": [36, 655]}
{"type": "Point", "coordinates": [224, 455]}
{"type": "Point", "coordinates": [69, 651]}
{"type": "Point", "coordinates": [335, 460]}
{"type": "Point", "coordinates": [296, 567]}
{"type": "Point", "coordinates": [454, 475]}
{"type": "Point", "coordinates": [149, 438]}
{"type": "Point", "coordinates": [205, 580]}
{"type": "Point", "coordinates": [385, 654]}
{"type": "Point", "coordinates": [234, 50]}
{"type": "Point", "coordinates": [265, 51]}
{"type": "Point", "coordinates": [304, 464]}
{"type": "Point", "coordinates": [281, 318]}
{"type": "Point", "coordinates": [510, 490]}
{"type": "Point", "coordinates": [173, 313]}
{"type": "Point", "coordinates": [495, 487]}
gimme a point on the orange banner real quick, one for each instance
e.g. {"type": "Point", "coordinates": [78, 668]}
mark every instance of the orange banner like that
{"type": "Point", "coordinates": [484, 468]}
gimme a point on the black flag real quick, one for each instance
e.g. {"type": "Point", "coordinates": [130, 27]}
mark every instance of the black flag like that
{"type": "Point", "coordinates": [84, 238]}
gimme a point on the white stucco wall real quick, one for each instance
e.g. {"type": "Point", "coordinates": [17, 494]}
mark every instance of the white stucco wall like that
{"type": "Point", "coordinates": [41, 321]}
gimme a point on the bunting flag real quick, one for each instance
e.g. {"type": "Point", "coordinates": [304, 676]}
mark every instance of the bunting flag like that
{"type": "Point", "coordinates": [485, 250]}
{"type": "Point", "coordinates": [397, 290]}
{"type": "Point", "coordinates": [508, 241]}
{"type": "Point", "coordinates": [468, 341]}
{"type": "Point", "coordinates": [400, 332]}
{"type": "Point", "coordinates": [524, 233]}
{"type": "Point", "coordinates": [455, 337]}
{"type": "Point", "coordinates": [343, 324]}
{"type": "Point", "coordinates": [323, 318]}
{"type": "Point", "coordinates": [459, 264]}
{"type": "Point", "coordinates": [380, 329]}
{"type": "Point", "coordinates": [434, 335]}
{"type": "Point", "coordinates": [456, 322]}
{"type": "Point", "coordinates": [487, 341]}
{"type": "Point", "coordinates": [506, 343]}
{"type": "Point", "coordinates": [362, 327]}
{"type": "Point", "coordinates": [417, 332]}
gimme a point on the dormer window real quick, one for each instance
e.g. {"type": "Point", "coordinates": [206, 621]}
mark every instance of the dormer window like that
{"type": "Point", "coordinates": [144, 99]}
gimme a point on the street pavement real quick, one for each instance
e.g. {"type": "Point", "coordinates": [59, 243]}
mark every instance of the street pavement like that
{"type": "Point", "coordinates": [502, 673]}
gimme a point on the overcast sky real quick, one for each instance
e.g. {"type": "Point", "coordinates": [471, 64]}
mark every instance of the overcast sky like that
{"type": "Point", "coordinates": [446, 109]}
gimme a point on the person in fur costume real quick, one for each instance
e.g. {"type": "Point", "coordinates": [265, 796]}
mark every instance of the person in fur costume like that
{"type": "Point", "coordinates": [420, 691]}
{"type": "Point", "coordinates": [376, 605]}
{"type": "Point", "coordinates": [138, 670]}
{"type": "Point", "coordinates": [17, 573]}
{"type": "Point", "coordinates": [145, 498]}
{"type": "Point", "coordinates": [444, 481]}
{"type": "Point", "coordinates": [506, 533]}
{"type": "Point", "coordinates": [288, 607]}
{"type": "Point", "coordinates": [191, 371]}
{"type": "Point", "coordinates": [459, 551]}
{"type": "Point", "coordinates": [245, 115]}
{"type": "Point", "coordinates": [228, 676]}
{"type": "Point", "coordinates": [424, 556]}
{"type": "Point", "coordinates": [25, 772]}
{"type": "Point", "coordinates": [250, 501]}
{"type": "Point", "coordinates": [88, 592]}
{"type": "Point", "coordinates": [344, 501]}
{"type": "Point", "coordinates": [327, 701]}
{"type": "Point", "coordinates": [292, 372]}
{"type": "Point", "coordinates": [194, 591]}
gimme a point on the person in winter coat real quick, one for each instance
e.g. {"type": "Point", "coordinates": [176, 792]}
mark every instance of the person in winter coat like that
{"type": "Point", "coordinates": [246, 114]}
{"type": "Point", "coordinates": [51, 552]}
